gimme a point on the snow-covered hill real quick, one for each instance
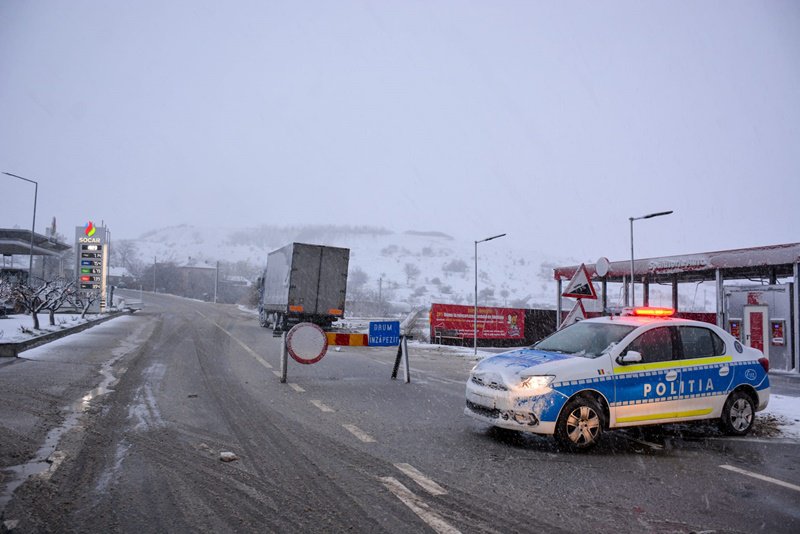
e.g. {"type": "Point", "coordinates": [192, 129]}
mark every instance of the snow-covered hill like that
{"type": "Point", "coordinates": [410, 268]}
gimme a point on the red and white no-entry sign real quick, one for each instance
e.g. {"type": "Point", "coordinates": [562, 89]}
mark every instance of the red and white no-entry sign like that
{"type": "Point", "coordinates": [306, 343]}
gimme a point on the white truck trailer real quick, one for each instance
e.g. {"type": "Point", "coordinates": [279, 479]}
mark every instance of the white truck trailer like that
{"type": "Point", "coordinates": [303, 283]}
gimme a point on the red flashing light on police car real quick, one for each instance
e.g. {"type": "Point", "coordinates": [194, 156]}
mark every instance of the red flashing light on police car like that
{"type": "Point", "coordinates": [653, 312]}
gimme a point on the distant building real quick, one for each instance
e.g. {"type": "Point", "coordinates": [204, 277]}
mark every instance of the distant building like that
{"type": "Point", "coordinates": [196, 279]}
{"type": "Point", "coordinates": [120, 277]}
{"type": "Point", "coordinates": [234, 289]}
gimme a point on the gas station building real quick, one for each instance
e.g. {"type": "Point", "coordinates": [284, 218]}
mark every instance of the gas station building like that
{"type": "Point", "coordinates": [760, 306]}
{"type": "Point", "coordinates": [16, 242]}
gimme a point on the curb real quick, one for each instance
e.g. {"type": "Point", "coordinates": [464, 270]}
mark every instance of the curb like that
{"type": "Point", "coordinates": [12, 350]}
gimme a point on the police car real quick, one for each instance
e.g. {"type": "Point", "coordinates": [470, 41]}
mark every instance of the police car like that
{"type": "Point", "coordinates": [641, 368]}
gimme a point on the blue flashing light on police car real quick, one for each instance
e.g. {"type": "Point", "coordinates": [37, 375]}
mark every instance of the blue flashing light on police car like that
{"type": "Point", "coordinates": [640, 368]}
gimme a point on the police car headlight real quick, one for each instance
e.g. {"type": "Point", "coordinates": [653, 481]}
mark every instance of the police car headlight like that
{"type": "Point", "coordinates": [534, 382]}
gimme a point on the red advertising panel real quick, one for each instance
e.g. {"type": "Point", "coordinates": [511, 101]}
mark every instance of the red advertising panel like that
{"type": "Point", "coordinates": [736, 328]}
{"type": "Point", "coordinates": [493, 323]}
{"type": "Point", "coordinates": [757, 330]}
{"type": "Point", "coordinates": [776, 329]}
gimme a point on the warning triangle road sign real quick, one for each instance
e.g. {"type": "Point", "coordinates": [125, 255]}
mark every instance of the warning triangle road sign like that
{"type": "Point", "coordinates": [580, 287]}
{"type": "Point", "coordinates": [576, 314]}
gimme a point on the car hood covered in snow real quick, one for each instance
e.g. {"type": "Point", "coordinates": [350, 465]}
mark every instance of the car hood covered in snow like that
{"type": "Point", "coordinates": [506, 368]}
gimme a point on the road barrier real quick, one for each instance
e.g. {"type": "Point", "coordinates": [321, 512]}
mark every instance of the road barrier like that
{"type": "Point", "coordinates": [351, 340]}
{"type": "Point", "coordinates": [306, 343]}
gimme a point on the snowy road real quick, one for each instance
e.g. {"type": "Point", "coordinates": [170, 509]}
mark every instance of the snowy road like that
{"type": "Point", "coordinates": [341, 447]}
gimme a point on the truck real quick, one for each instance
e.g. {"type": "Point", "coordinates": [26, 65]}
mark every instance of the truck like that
{"type": "Point", "coordinates": [303, 283]}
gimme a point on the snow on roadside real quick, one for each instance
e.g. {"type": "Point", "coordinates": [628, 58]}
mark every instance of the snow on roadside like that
{"type": "Point", "coordinates": [467, 353]}
{"type": "Point", "coordinates": [247, 309]}
{"type": "Point", "coordinates": [786, 411]}
{"type": "Point", "coordinates": [12, 325]}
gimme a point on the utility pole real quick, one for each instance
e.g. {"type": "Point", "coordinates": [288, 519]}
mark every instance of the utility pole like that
{"type": "Point", "coordinates": [154, 274]}
{"type": "Point", "coordinates": [216, 282]}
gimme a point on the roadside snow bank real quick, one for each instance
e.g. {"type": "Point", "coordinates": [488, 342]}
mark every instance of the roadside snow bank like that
{"type": "Point", "coordinates": [16, 328]}
{"type": "Point", "coordinates": [786, 411]}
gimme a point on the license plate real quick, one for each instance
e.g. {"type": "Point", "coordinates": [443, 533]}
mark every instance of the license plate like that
{"type": "Point", "coordinates": [481, 400]}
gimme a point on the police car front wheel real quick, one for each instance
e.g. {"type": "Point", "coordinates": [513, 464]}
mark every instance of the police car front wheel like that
{"type": "Point", "coordinates": [580, 424]}
{"type": "Point", "coordinates": [738, 414]}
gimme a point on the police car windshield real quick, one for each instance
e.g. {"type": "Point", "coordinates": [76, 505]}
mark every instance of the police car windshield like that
{"type": "Point", "coordinates": [589, 340]}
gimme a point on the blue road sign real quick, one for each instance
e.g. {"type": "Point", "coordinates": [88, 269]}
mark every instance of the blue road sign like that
{"type": "Point", "coordinates": [384, 333]}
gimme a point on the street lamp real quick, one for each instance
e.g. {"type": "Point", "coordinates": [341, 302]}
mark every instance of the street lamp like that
{"type": "Point", "coordinates": [631, 219]}
{"type": "Point", "coordinates": [33, 224]}
{"type": "Point", "coordinates": [475, 320]}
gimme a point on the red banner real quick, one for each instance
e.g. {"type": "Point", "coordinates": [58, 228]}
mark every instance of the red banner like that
{"type": "Point", "coordinates": [452, 320]}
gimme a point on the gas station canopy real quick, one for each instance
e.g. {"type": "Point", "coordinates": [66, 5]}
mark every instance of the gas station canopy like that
{"type": "Point", "coordinates": [18, 242]}
{"type": "Point", "coordinates": [765, 316]}
{"type": "Point", "coordinates": [775, 261]}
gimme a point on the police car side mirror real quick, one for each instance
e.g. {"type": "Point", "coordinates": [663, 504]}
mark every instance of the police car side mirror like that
{"type": "Point", "coordinates": [629, 357]}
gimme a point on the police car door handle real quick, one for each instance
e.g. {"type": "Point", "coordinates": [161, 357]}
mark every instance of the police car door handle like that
{"type": "Point", "coordinates": [672, 375]}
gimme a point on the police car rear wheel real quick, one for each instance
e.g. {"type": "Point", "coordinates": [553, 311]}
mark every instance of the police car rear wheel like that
{"type": "Point", "coordinates": [580, 424]}
{"type": "Point", "coordinates": [738, 414]}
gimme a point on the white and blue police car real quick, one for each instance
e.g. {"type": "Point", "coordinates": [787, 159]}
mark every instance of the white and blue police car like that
{"type": "Point", "coordinates": [641, 368]}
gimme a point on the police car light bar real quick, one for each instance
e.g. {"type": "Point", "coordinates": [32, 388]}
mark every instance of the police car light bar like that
{"type": "Point", "coordinates": [653, 312]}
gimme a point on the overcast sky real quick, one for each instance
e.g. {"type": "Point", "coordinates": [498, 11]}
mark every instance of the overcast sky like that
{"type": "Point", "coordinates": [552, 122]}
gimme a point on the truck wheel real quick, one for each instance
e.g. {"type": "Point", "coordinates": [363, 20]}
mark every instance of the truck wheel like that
{"type": "Point", "coordinates": [738, 414]}
{"type": "Point", "coordinates": [580, 424]}
{"type": "Point", "coordinates": [278, 325]}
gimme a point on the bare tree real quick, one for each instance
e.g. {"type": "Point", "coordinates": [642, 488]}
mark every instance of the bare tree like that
{"type": "Point", "coordinates": [243, 268]}
{"type": "Point", "coordinates": [522, 302]}
{"type": "Point", "coordinates": [411, 271]}
{"type": "Point", "coordinates": [486, 294]}
{"type": "Point", "coordinates": [125, 254]}
{"type": "Point", "coordinates": [84, 300]}
{"type": "Point", "coordinates": [455, 266]}
{"type": "Point", "coordinates": [59, 294]}
{"type": "Point", "coordinates": [166, 278]}
{"type": "Point", "coordinates": [356, 282]}
{"type": "Point", "coordinates": [5, 294]}
{"type": "Point", "coordinates": [32, 296]}
{"type": "Point", "coordinates": [358, 278]}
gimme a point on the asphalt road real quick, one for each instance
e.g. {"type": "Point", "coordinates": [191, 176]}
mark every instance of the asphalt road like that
{"type": "Point", "coordinates": [340, 447]}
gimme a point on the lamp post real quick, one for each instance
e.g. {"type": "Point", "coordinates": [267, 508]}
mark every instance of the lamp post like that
{"type": "Point", "coordinates": [33, 224]}
{"type": "Point", "coordinates": [475, 318]}
{"type": "Point", "coordinates": [631, 219]}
